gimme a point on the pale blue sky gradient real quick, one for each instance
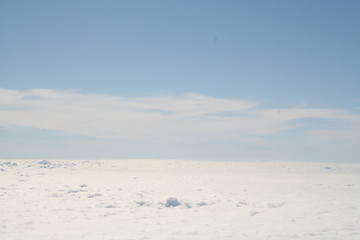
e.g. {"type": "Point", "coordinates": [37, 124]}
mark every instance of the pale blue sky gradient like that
{"type": "Point", "coordinates": [275, 54]}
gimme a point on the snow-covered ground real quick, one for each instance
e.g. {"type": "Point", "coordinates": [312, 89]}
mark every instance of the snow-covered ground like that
{"type": "Point", "coordinates": [170, 199]}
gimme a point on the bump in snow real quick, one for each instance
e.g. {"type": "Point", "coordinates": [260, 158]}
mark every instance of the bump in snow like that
{"type": "Point", "coordinates": [172, 202]}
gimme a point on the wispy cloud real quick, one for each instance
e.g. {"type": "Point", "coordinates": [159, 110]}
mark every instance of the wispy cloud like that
{"type": "Point", "coordinates": [188, 117]}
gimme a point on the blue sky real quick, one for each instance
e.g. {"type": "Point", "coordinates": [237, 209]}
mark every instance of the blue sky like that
{"type": "Point", "coordinates": [219, 80]}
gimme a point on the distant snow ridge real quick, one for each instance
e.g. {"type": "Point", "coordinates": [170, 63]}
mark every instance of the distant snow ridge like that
{"type": "Point", "coordinates": [54, 164]}
{"type": "Point", "coordinates": [8, 164]}
{"type": "Point", "coordinates": [172, 202]}
{"type": "Point", "coordinates": [45, 164]}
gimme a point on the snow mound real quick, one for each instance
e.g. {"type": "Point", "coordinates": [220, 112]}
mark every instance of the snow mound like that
{"type": "Point", "coordinates": [55, 164]}
{"type": "Point", "coordinates": [75, 191]}
{"type": "Point", "coordinates": [44, 162]}
{"type": "Point", "coordinates": [172, 202]}
{"type": "Point", "coordinates": [8, 164]}
{"type": "Point", "coordinates": [143, 203]}
{"type": "Point", "coordinates": [201, 204]}
{"type": "Point", "coordinates": [94, 195]}
{"type": "Point", "coordinates": [48, 164]}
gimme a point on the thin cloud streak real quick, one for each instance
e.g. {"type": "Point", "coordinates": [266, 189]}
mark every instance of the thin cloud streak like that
{"type": "Point", "coordinates": [188, 117]}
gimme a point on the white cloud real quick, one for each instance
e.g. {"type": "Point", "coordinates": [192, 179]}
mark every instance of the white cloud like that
{"type": "Point", "coordinates": [188, 117]}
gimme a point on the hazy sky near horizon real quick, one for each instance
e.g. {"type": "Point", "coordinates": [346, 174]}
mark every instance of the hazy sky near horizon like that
{"type": "Point", "coordinates": [218, 80]}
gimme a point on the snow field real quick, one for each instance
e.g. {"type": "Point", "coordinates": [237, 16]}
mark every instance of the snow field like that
{"type": "Point", "coordinates": [170, 199]}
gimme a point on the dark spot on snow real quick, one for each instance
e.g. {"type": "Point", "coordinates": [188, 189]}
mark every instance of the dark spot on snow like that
{"type": "Point", "coordinates": [172, 202]}
{"type": "Point", "coordinates": [187, 204]}
{"type": "Point", "coordinates": [110, 206]}
{"type": "Point", "coordinates": [8, 164]}
{"type": "Point", "coordinates": [327, 168]}
{"type": "Point", "coordinates": [253, 213]}
{"type": "Point", "coordinates": [75, 191]}
{"type": "Point", "coordinates": [143, 203]}
{"type": "Point", "coordinates": [44, 162]}
{"type": "Point", "coordinates": [94, 195]}
{"type": "Point", "coordinates": [241, 203]}
{"type": "Point", "coordinates": [276, 205]}
{"type": "Point", "coordinates": [55, 195]}
{"type": "Point", "coordinates": [105, 205]}
{"type": "Point", "coordinates": [200, 204]}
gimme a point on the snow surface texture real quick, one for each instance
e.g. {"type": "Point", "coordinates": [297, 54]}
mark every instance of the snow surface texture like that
{"type": "Point", "coordinates": [158, 199]}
